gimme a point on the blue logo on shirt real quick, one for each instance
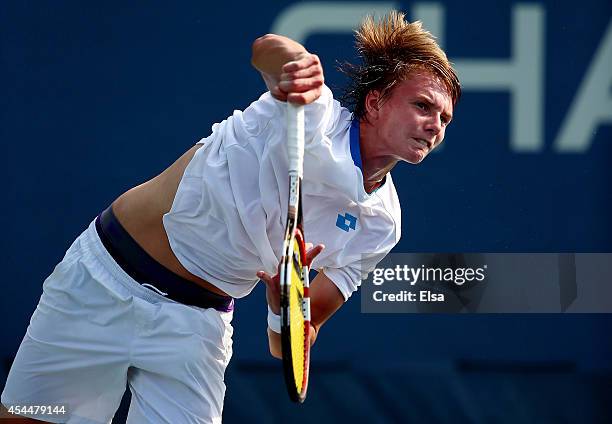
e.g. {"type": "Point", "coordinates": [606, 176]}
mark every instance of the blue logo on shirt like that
{"type": "Point", "coordinates": [346, 222]}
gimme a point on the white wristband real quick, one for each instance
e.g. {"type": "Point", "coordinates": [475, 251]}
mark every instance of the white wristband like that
{"type": "Point", "coordinates": [274, 321]}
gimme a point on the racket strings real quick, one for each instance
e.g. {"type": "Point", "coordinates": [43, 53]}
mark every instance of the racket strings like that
{"type": "Point", "coordinates": [296, 343]}
{"type": "Point", "coordinates": [297, 328]}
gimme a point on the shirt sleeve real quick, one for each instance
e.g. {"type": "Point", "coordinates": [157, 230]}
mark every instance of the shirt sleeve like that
{"type": "Point", "coordinates": [348, 278]}
{"type": "Point", "coordinates": [351, 255]}
{"type": "Point", "coordinates": [268, 113]}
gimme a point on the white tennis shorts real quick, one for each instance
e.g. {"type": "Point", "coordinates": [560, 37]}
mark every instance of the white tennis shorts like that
{"type": "Point", "coordinates": [95, 329]}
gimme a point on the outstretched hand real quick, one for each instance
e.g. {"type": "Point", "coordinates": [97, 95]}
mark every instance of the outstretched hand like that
{"type": "Point", "coordinates": [273, 282]}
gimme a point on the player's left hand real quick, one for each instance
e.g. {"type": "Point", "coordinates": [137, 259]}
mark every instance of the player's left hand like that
{"type": "Point", "coordinates": [273, 282]}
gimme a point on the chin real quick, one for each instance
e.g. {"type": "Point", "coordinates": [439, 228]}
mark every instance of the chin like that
{"type": "Point", "coordinates": [415, 158]}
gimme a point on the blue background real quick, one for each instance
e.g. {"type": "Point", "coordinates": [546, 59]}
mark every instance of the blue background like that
{"type": "Point", "coordinates": [97, 98]}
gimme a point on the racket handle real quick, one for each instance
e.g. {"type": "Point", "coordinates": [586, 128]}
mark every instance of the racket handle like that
{"type": "Point", "coordinates": [295, 138]}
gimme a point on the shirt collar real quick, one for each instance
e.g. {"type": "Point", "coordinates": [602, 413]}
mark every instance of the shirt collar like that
{"type": "Point", "coordinates": [356, 150]}
{"type": "Point", "coordinates": [355, 147]}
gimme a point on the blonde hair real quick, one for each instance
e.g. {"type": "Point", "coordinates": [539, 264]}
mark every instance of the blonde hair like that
{"type": "Point", "coordinates": [390, 50]}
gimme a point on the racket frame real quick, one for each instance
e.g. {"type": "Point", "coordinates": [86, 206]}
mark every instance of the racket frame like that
{"type": "Point", "coordinates": [294, 233]}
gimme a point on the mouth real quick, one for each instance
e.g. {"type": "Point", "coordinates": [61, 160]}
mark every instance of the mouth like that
{"type": "Point", "coordinates": [423, 143]}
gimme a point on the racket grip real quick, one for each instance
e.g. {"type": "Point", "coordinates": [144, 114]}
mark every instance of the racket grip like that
{"type": "Point", "coordinates": [295, 138]}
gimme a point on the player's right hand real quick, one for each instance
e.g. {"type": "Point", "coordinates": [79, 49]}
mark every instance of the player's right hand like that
{"type": "Point", "coordinates": [301, 80]}
{"type": "Point", "coordinates": [290, 72]}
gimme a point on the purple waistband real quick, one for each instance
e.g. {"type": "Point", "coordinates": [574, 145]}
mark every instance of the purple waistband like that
{"type": "Point", "coordinates": [139, 265]}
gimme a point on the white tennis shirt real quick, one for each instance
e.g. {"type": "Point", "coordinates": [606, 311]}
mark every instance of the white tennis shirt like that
{"type": "Point", "coordinates": [228, 217]}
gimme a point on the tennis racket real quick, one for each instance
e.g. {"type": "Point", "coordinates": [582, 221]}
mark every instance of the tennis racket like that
{"type": "Point", "coordinates": [295, 303]}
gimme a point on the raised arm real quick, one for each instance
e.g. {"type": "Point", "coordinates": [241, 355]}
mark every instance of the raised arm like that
{"type": "Point", "coordinates": [290, 72]}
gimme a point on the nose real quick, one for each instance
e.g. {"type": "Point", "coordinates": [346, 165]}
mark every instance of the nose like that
{"type": "Point", "coordinates": [434, 124]}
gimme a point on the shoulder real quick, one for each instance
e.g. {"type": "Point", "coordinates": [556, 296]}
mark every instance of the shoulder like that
{"type": "Point", "coordinates": [390, 208]}
{"type": "Point", "coordinates": [379, 218]}
{"type": "Point", "coordinates": [361, 226]}
{"type": "Point", "coordinates": [388, 197]}
{"type": "Point", "coordinates": [318, 114]}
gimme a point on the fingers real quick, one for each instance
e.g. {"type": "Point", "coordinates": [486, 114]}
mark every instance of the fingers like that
{"type": "Point", "coordinates": [278, 94]}
{"type": "Point", "coordinates": [304, 61]}
{"type": "Point", "coordinates": [273, 282]}
{"type": "Point", "coordinates": [304, 98]}
{"type": "Point", "coordinates": [301, 80]}
{"type": "Point", "coordinates": [300, 85]}
{"type": "Point", "coordinates": [312, 253]}
{"type": "Point", "coordinates": [270, 281]}
{"type": "Point", "coordinates": [272, 290]}
{"type": "Point", "coordinates": [302, 91]}
{"type": "Point", "coordinates": [311, 71]}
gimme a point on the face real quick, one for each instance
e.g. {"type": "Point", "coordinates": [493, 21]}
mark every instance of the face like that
{"type": "Point", "coordinates": [411, 122]}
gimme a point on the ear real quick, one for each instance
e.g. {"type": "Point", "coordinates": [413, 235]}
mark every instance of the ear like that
{"type": "Point", "coordinates": [372, 104]}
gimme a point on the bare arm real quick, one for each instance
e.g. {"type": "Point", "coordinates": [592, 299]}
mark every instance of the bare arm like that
{"type": "Point", "coordinates": [290, 72]}
{"type": "Point", "coordinates": [325, 299]}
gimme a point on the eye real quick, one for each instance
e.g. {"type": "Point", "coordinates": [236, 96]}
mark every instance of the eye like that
{"type": "Point", "coordinates": [421, 105]}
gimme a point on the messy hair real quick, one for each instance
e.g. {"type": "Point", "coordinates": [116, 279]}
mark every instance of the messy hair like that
{"type": "Point", "coordinates": [390, 50]}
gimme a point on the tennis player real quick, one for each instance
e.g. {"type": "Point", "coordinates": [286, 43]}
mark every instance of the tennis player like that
{"type": "Point", "coordinates": [145, 294]}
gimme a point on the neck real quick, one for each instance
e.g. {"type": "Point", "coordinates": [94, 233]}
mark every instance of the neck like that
{"type": "Point", "coordinates": [375, 166]}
